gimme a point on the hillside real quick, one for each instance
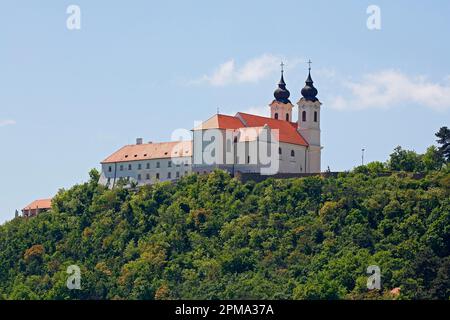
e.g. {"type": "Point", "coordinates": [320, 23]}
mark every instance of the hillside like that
{"type": "Point", "coordinates": [213, 237]}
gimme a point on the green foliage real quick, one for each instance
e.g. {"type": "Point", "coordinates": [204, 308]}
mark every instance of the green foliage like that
{"type": "Point", "coordinates": [432, 159]}
{"type": "Point", "coordinates": [373, 168]}
{"type": "Point", "coordinates": [410, 161]}
{"type": "Point", "coordinates": [213, 237]}
{"type": "Point", "coordinates": [443, 136]}
{"type": "Point", "coordinates": [405, 160]}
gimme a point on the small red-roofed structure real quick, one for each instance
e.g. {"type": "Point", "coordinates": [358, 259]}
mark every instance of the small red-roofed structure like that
{"type": "Point", "coordinates": [36, 207]}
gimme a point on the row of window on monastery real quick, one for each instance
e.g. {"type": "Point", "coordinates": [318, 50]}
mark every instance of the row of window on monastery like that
{"type": "Point", "coordinates": [303, 116]}
{"type": "Point", "coordinates": [140, 167]}
{"type": "Point", "coordinates": [169, 164]}
{"type": "Point", "coordinates": [148, 176]}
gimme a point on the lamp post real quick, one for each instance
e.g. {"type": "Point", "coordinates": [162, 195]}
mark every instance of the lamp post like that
{"type": "Point", "coordinates": [362, 156]}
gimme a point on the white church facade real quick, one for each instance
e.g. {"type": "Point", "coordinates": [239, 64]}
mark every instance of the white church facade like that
{"type": "Point", "coordinates": [243, 143]}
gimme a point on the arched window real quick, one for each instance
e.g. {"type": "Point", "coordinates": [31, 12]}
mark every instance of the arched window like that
{"type": "Point", "coordinates": [315, 116]}
{"type": "Point", "coordinates": [304, 116]}
{"type": "Point", "coordinates": [276, 115]}
{"type": "Point", "coordinates": [279, 150]}
{"type": "Point", "coordinates": [292, 153]}
{"type": "Point", "coordinates": [287, 116]}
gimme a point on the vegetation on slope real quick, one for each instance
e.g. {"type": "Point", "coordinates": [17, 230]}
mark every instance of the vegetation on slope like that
{"type": "Point", "coordinates": [213, 237]}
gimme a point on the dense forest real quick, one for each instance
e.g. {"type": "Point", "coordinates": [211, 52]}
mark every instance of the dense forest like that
{"type": "Point", "coordinates": [215, 237]}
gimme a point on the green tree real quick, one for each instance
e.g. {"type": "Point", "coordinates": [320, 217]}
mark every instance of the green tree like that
{"type": "Point", "coordinates": [444, 140]}
{"type": "Point", "coordinates": [432, 159]}
{"type": "Point", "coordinates": [405, 160]}
{"type": "Point", "coordinates": [215, 237]}
{"type": "Point", "coordinates": [23, 292]}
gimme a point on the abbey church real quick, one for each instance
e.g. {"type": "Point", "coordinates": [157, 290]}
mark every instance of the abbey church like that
{"type": "Point", "coordinates": [243, 143]}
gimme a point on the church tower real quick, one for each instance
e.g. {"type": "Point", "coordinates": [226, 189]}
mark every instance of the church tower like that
{"type": "Point", "coordinates": [309, 122]}
{"type": "Point", "coordinates": [281, 107]}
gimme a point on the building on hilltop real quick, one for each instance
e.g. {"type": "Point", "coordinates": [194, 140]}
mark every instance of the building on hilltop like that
{"type": "Point", "coordinates": [146, 163]}
{"type": "Point", "coordinates": [239, 146]}
{"type": "Point", "coordinates": [243, 143]}
{"type": "Point", "coordinates": [36, 207]}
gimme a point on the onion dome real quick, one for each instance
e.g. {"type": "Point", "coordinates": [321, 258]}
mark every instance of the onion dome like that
{"type": "Point", "coordinates": [308, 91]}
{"type": "Point", "coordinates": [282, 94]}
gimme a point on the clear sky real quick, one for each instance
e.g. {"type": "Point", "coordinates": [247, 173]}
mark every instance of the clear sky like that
{"type": "Point", "coordinates": [69, 98]}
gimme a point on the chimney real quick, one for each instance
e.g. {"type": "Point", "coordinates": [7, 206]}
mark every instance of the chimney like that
{"type": "Point", "coordinates": [138, 140]}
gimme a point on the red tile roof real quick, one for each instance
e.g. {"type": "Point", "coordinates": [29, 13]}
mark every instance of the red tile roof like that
{"type": "Point", "coordinates": [221, 121]}
{"type": "Point", "coordinates": [287, 130]}
{"type": "Point", "coordinates": [149, 151]}
{"type": "Point", "coordinates": [39, 204]}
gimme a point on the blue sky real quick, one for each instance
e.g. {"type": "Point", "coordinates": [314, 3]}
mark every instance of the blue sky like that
{"type": "Point", "coordinates": [144, 68]}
